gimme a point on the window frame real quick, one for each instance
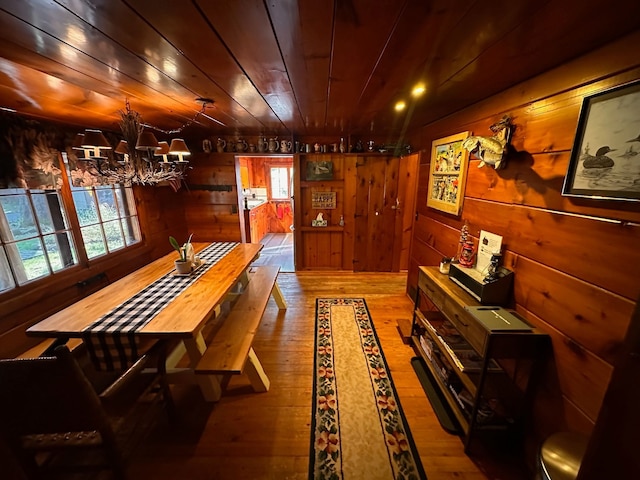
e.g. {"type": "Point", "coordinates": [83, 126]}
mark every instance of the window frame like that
{"type": "Point", "coordinates": [289, 169]}
{"type": "Point", "coordinates": [131, 233]}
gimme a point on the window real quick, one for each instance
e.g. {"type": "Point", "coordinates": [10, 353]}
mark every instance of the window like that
{"type": "Point", "coordinates": [107, 216]}
{"type": "Point", "coordinates": [35, 236]}
{"type": "Point", "coordinates": [280, 183]}
{"type": "Point", "coordinates": [37, 240]}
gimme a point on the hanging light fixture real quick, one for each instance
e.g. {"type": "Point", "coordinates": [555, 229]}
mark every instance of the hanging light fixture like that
{"type": "Point", "coordinates": [140, 164]}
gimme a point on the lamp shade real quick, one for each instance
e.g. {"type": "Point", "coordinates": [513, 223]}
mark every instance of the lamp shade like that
{"type": "Point", "coordinates": [163, 148]}
{"type": "Point", "coordinates": [122, 148]}
{"type": "Point", "coordinates": [78, 141]}
{"type": "Point", "coordinates": [94, 139]}
{"type": "Point", "coordinates": [146, 140]}
{"type": "Point", "coordinates": [179, 147]}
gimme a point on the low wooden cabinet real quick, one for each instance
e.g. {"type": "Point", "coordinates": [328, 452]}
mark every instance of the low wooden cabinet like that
{"type": "Point", "coordinates": [485, 376]}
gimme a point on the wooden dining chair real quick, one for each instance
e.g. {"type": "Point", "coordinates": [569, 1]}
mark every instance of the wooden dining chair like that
{"type": "Point", "coordinates": [54, 421]}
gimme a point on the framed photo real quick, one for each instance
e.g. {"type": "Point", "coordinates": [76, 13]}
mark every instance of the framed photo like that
{"type": "Point", "coordinates": [448, 173]}
{"type": "Point", "coordinates": [320, 170]}
{"type": "Point", "coordinates": [605, 160]}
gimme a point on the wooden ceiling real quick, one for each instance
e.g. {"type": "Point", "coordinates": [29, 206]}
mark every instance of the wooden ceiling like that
{"type": "Point", "coordinates": [285, 67]}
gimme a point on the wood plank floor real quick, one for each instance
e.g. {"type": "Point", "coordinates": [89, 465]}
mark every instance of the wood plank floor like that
{"type": "Point", "coordinates": [278, 250]}
{"type": "Point", "coordinates": [251, 435]}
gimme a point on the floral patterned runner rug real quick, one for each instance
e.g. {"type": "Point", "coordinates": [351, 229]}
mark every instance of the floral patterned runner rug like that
{"type": "Point", "coordinates": [358, 428]}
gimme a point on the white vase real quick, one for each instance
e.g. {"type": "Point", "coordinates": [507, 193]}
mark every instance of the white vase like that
{"type": "Point", "coordinates": [182, 267]}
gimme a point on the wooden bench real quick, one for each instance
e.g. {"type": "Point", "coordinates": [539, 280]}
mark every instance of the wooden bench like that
{"type": "Point", "coordinates": [42, 347]}
{"type": "Point", "coordinates": [230, 350]}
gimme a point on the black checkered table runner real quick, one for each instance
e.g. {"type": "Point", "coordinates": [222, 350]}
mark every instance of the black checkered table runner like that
{"type": "Point", "coordinates": [111, 340]}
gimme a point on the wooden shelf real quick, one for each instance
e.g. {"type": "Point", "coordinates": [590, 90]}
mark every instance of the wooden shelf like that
{"type": "Point", "coordinates": [321, 229]}
{"type": "Point", "coordinates": [321, 183]}
{"type": "Point", "coordinates": [487, 381]}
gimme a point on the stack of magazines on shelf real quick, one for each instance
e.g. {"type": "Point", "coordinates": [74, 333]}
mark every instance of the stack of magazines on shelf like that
{"type": "Point", "coordinates": [434, 355]}
{"type": "Point", "coordinates": [490, 411]}
{"type": "Point", "coordinates": [464, 356]}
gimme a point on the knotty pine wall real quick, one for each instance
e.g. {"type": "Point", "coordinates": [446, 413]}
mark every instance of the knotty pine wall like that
{"type": "Point", "coordinates": [161, 214]}
{"type": "Point", "coordinates": [575, 260]}
{"type": "Point", "coordinates": [211, 198]}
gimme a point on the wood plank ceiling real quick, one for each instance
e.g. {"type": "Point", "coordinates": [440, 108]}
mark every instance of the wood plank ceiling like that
{"type": "Point", "coordinates": [285, 67]}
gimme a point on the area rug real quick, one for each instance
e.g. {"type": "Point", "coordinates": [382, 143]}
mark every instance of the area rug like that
{"type": "Point", "coordinates": [358, 428]}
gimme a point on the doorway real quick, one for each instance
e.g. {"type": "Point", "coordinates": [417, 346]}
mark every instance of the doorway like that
{"type": "Point", "coordinates": [267, 202]}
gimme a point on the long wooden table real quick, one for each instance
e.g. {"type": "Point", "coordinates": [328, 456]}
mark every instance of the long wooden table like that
{"type": "Point", "coordinates": [184, 318]}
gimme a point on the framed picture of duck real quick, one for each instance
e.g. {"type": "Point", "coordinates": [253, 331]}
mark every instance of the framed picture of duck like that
{"type": "Point", "coordinates": [605, 158]}
{"type": "Point", "coordinates": [448, 173]}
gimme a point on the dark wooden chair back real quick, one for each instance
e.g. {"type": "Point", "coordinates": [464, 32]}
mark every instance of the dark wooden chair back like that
{"type": "Point", "coordinates": [48, 407]}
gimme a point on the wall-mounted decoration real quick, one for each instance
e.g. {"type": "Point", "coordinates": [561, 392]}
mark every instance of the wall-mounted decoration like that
{"type": "Point", "coordinates": [28, 154]}
{"type": "Point", "coordinates": [492, 150]}
{"type": "Point", "coordinates": [448, 173]}
{"type": "Point", "coordinates": [320, 170]}
{"type": "Point", "coordinates": [604, 161]}
{"type": "Point", "coordinates": [323, 200]}
{"type": "Point", "coordinates": [319, 221]}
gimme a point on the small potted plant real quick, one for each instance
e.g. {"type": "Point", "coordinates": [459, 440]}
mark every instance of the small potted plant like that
{"type": "Point", "coordinates": [183, 264]}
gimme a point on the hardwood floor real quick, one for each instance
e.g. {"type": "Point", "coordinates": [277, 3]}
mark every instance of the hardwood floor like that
{"type": "Point", "coordinates": [278, 250]}
{"type": "Point", "coordinates": [249, 435]}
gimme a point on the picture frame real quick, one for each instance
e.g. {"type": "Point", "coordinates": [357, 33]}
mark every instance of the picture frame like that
{"type": "Point", "coordinates": [322, 170]}
{"type": "Point", "coordinates": [448, 173]}
{"type": "Point", "coordinates": [605, 161]}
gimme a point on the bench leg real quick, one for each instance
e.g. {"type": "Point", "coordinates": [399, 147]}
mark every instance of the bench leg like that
{"type": "Point", "coordinates": [209, 384]}
{"type": "Point", "coordinates": [276, 293]}
{"type": "Point", "coordinates": [259, 380]}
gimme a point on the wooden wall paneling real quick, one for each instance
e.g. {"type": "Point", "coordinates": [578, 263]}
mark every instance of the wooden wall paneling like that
{"type": "Point", "coordinates": [211, 198]}
{"type": "Point", "coordinates": [258, 174]}
{"type": "Point", "coordinates": [157, 224]}
{"type": "Point", "coordinates": [583, 377]}
{"type": "Point", "coordinates": [571, 243]}
{"type": "Point", "coordinates": [553, 412]}
{"type": "Point", "coordinates": [612, 449]}
{"type": "Point", "coordinates": [535, 179]}
{"type": "Point", "coordinates": [592, 317]}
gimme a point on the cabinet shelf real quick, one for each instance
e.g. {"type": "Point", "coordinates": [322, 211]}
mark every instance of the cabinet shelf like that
{"type": "Point", "coordinates": [461, 353]}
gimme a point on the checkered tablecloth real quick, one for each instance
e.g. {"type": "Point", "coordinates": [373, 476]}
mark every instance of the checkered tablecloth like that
{"type": "Point", "coordinates": [111, 340]}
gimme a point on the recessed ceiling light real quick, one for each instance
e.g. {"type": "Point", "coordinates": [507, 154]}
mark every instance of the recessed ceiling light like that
{"type": "Point", "coordinates": [418, 90]}
{"type": "Point", "coordinates": [399, 106]}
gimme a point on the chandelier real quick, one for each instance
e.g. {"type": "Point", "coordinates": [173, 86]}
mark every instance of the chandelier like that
{"type": "Point", "coordinates": [140, 158]}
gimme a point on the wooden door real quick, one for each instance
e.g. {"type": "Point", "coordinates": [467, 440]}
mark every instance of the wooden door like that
{"type": "Point", "coordinates": [378, 216]}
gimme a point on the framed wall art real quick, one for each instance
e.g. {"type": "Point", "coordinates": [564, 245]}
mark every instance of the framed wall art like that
{"type": "Point", "coordinates": [323, 200]}
{"type": "Point", "coordinates": [448, 173]}
{"type": "Point", "coordinates": [322, 170]}
{"type": "Point", "coordinates": [605, 160]}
